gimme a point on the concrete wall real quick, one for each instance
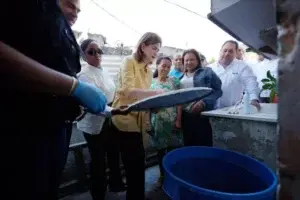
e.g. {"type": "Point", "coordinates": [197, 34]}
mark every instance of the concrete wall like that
{"type": "Point", "coordinates": [80, 36]}
{"type": "Point", "coordinates": [253, 138]}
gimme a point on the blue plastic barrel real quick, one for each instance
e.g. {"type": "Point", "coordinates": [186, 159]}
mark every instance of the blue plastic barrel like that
{"type": "Point", "coordinates": [207, 173]}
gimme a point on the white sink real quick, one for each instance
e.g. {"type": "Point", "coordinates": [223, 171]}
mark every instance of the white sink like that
{"type": "Point", "coordinates": [266, 108]}
{"type": "Point", "coordinates": [268, 113]}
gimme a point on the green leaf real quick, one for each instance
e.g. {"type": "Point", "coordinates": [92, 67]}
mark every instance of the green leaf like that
{"type": "Point", "coordinates": [269, 76]}
{"type": "Point", "coordinates": [267, 86]}
{"type": "Point", "coordinates": [273, 79]}
{"type": "Point", "coordinates": [273, 86]}
{"type": "Point", "coordinates": [265, 80]}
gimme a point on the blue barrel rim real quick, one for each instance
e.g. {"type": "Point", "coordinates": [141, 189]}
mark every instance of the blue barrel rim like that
{"type": "Point", "coordinates": [227, 194]}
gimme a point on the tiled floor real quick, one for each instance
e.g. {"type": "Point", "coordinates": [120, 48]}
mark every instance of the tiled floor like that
{"type": "Point", "coordinates": [151, 176]}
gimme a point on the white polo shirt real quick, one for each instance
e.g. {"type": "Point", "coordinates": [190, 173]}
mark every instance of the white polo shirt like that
{"type": "Point", "coordinates": [236, 78]}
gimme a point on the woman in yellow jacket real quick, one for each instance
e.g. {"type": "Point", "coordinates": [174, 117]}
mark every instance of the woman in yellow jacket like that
{"type": "Point", "coordinates": [134, 81]}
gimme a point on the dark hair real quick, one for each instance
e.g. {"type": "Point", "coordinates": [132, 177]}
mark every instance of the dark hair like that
{"type": "Point", "coordinates": [197, 55]}
{"type": "Point", "coordinates": [158, 61]}
{"type": "Point", "coordinates": [85, 43]}
{"type": "Point", "coordinates": [202, 57]}
{"type": "Point", "coordinates": [232, 42]}
{"type": "Point", "coordinates": [147, 39]}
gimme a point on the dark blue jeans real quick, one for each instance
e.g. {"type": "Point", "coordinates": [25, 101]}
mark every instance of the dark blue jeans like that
{"type": "Point", "coordinates": [33, 160]}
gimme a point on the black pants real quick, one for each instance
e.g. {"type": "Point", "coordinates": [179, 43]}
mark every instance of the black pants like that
{"type": "Point", "coordinates": [113, 161]}
{"type": "Point", "coordinates": [69, 130]}
{"type": "Point", "coordinates": [33, 158]}
{"type": "Point", "coordinates": [132, 151]}
{"type": "Point", "coordinates": [100, 148]}
{"type": "Point", "coordinates": [197, 130]}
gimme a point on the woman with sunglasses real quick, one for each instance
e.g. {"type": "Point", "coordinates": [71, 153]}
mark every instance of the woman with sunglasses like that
{"type": "Point", "coordinates": [95, 128]}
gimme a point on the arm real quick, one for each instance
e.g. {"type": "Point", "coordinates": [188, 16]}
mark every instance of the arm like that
{"type": "Point", "coordinates": [33, 73]}
{"type": "Point", "coordinates": [142, 93]}
{"type": "Point", "coordinates": [250, 83]}
{"type": "Point", "coordinates": [46, 80]}
{"type": "Point", "coordinates": [216, 85]}
{"type": "Point", "coordinates": [128, 87]}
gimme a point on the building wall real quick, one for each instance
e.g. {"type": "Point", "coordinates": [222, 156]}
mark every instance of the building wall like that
{"type": "Point", "coordinates": [80, 36]}
{"type": "Point", "coordinates": [170, 51]}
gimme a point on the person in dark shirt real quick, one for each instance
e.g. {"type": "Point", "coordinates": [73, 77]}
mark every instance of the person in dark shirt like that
{"type": "Point", "coordinates": [39, 60]}
{"type": "Point", "coordinates": [70, 10]}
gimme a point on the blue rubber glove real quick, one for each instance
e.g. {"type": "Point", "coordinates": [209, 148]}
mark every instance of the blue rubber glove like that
{"type": "Point", "coordinates": [90, 97]}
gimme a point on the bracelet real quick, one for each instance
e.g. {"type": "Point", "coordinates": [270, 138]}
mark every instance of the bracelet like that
{"type": "Point", "coordinates": [74, 84]}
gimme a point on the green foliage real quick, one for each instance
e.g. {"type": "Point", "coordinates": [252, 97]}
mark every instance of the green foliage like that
{"type": "Point", "coordinates": [212, 60]}
{"type": "Point", "coordinates": [270, 83]}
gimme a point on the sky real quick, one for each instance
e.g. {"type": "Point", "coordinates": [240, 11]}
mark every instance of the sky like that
{"type": "Point", "coordinates": [177, 27]}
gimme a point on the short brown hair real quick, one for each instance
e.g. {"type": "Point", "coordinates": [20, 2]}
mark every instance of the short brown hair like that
{"type": "Point", "coordinates": [147, 39]}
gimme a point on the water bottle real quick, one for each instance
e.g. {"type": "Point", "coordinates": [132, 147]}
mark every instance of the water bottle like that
{"type": "Point", "coordinates": [246, 103]}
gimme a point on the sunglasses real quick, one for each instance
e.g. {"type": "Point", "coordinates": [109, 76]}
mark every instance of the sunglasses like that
{"type": "Point", "coordinates": [93, 52]}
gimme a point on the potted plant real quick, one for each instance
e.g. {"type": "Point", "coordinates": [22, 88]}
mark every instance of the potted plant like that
{"type": "Point", "coordinates": [270, 83]}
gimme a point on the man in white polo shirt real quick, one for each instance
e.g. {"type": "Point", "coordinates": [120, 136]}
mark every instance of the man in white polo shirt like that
{"type": "Point", "coordinates": [236, 77]}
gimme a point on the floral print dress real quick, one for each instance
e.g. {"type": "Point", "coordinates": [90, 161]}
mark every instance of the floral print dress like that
{"type": "Point", "coordinates": [164, 133]}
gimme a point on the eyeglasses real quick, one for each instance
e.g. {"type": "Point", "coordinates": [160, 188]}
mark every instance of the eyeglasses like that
{"type": "Point", "coordinates": [93, 52]}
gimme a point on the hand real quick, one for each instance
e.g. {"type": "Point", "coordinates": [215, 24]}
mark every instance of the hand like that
{"type": "Point", "coordinates": [90, 97]}
{"type": "Point", "coordinates": [120, 93]}
{"type": "Point", "coordinates": [122, 110]}
{"type": "Point", "coordinates": [198, 107]}
{"type": "Point", "coordinates": [160, 91]}
{"type": "Point", "coordinates": [255, 103]}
